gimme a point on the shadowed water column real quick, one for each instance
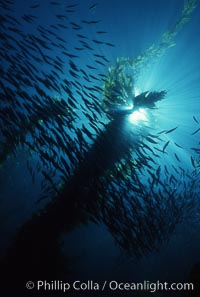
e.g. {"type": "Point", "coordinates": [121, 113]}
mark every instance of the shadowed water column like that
{"type": "Point", "coordinates": [36, 249]}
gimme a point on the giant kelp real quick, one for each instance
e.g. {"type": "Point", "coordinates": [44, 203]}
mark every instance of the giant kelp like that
{"type": "Point", "coordinates": [124, 75]}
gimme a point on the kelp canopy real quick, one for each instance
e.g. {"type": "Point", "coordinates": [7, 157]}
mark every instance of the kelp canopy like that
{"type": "Point", "coordinates": [119, 88]}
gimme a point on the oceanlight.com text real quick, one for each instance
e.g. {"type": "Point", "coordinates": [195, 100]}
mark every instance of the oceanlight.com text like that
{"type": "Point", "coordinates": [113, 285]}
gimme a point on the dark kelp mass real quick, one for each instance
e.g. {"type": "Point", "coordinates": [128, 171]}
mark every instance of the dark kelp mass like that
{"type": "Point", "coordinates": [90, 135]}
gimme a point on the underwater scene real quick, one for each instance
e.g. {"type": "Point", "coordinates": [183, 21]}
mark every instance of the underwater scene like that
{"type": "Point", "coordinates": [100, 148]}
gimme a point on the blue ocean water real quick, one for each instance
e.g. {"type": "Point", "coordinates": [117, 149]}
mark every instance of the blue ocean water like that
{"type": "Point", "coordinates": [39, 41]}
